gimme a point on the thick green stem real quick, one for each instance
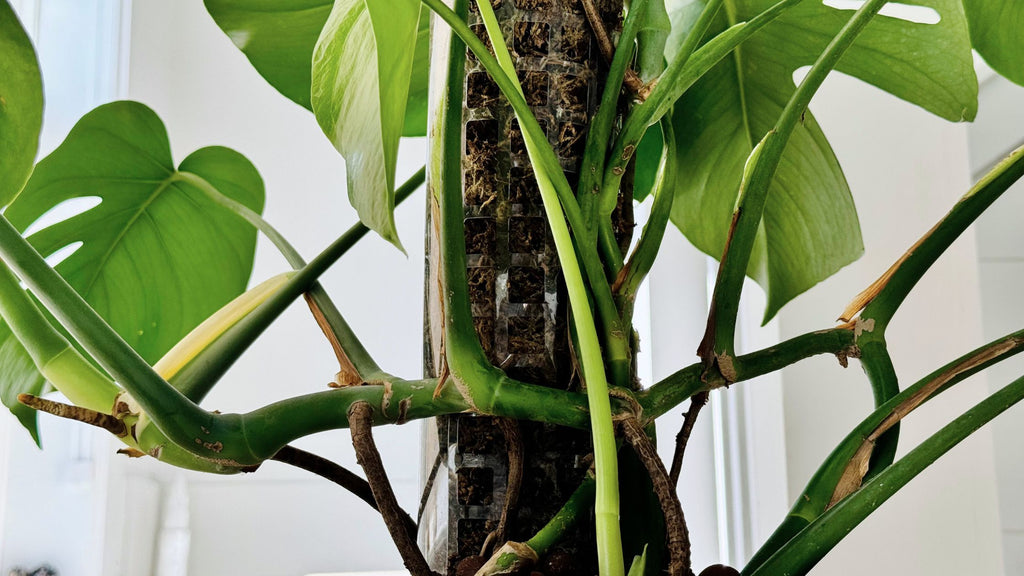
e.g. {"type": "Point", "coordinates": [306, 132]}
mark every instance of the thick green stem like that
{"type": "Point", "coordinates": [719, 339]}
{"type": "Point", "coordinates": [808, 547]}
{"type": "Point", "coordinates": [885, 384]}
{"type": "Point", "coordinates": [840, 473]}
{"type": "Point", "coordinates": [55, 358]}
{"type": "Point", "coordinates": [174, 414]}
{"type": "Point", "coordinates": [615, 336]}
{"type": "Point", "coordinates": [646, 251]}
{"type": "Point", "coordinates": [341, 333]}
{"type": "Point", "coordinates": [683, 384]}
{"type": "Point", "coordinates": [606, 507]}
{"type": "Point", "coordinates": [600, 131]}
{"type": "Point", "coordinates": [200, 377]}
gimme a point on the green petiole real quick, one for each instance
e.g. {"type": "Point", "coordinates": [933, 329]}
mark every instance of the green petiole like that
{"type": "Point", "coordinates": [606, 505]}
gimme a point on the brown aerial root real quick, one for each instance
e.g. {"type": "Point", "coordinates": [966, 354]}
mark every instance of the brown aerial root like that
{"type": "Point", "coordinates": [515, 450]}
{"type": "Point", "coordinates": [90, 417]}
{"type": "Point", "coordinates": [604, 43]}
{"type": "Point", "coordinates": [676, 532]}
{"type": "Point", "coordinates": [683, 437]}
{"type": "Point", "coordinates": [360, 421]}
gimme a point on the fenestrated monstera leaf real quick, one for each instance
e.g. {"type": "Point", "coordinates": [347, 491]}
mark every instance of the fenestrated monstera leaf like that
{"type": "Point", "coordinates": [997, 31]}
{"type": "Point", "coordinates": [362, 67]}
{"type": "Point", "coordinates": [278, 37]}
{"type": "Point", "coordinates": [157, 256]}
{"type": "Point", "coordinates": [810, 226]}
{"type": "Point", "coordinates": [21, 104]}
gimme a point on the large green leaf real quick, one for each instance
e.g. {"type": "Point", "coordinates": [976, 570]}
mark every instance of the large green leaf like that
{"type": "Point", "coordinates": [278, 37]}
{"type": "Point", "coordinates": [157, 256]}
{"type": "Point", "coordinates": [810, 226]}
{"type": "Point", "coordinates": [21, 104]}
{"type": "Point", "coordinates": [997, 30]}
{"type": "Point", "coordinates": [362, 66]}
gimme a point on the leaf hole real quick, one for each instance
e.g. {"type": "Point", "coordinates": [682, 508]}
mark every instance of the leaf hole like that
{"type": "Point", "coordinates": [908, 12]}
{"type": "Point", "coordinates": [64, 211]}
{"type": "Point", "coordinates": [63, 254]}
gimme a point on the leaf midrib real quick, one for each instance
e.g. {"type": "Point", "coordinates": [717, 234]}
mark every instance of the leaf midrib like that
{"type": "Point", "coordinates": [164, 185]}
{"type": "Point", "coordinates": [730, 14]}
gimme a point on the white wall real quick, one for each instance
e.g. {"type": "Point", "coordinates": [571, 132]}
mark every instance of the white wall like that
{"type": "Point", "coordinates": [999, 129]}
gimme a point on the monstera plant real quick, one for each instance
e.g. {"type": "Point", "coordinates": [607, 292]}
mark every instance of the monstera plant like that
{"type": "Point", "coordinates": [695, 104]}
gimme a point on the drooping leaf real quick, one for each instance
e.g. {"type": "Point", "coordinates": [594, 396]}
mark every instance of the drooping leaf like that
{"type": "Point", "coordinates": [21, 104]}
{"type": "Point", "coordinates": [157, 256]}
{"type": "Point", "coordinates": [810, 226]}
{"type": "Point", "coordinates": [278, 38]}
{"type": "Point", "coordinates": [18, 375]}
{"type": "Point", "coordinates": [997, 31]}
{"type": "Point", "coordinates": [362, 67]}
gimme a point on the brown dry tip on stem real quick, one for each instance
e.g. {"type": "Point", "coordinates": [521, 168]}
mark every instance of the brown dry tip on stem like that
{"type": "Point", "coordinates": [604, 42]}
{"type": "Point", "coordinates": [511, 558]}
{"type": "Point", "coordinates": [857, 467]}
{"type": "Point", "coordinates": [347, 375]}
{"type": "Point", "coordinates": [516, 453]}
{"type": "Point", "coordinates": [683, 437]}
{"type": "Point", "coordinates": [864, 298]}
{"type": "Point", "coordinates": [90, 417]}
{"type": "Point", "coordinates": [132, 452]}
{"type": "Point", "coordinates": [676, 532]}
{"type": "Point", "coordinates": [360, 421]}
{"type": "Point", "coordinates": [706, 349]}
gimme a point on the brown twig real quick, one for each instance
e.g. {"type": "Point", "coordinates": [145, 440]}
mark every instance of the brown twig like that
{"type": "Point", "coordinates": [336, 473]}
{"type": "Point", "coordinates": [515, 450]}
{"type": "Point", "coordinates": [683, 438]}
{"type": "Point", "coordinates": [360, 420]}
{"type": "Point", "coordinates": [90, 417]}
{"type": "Point", "coordinates": [676, 532]}
{"type": "Point", "coordinates": [607, 48]}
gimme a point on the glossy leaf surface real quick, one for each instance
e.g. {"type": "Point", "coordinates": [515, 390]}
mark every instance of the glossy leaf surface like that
{"type": "Point", "coordinates": [997, 31]}
{"type": "Point", "coordinates": [810, 228]}
{"type": "Point", "coordinates": [362, 67]}
{"type": "Point", "coordinates": [155, 256]}
{"type": "Point", "coordinates": [278, 38]}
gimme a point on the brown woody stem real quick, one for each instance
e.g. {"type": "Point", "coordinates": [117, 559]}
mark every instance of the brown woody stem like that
{"type": "Point", "coordinates": [360, 420]}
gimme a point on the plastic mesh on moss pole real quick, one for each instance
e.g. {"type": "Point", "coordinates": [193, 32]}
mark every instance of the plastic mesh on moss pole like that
{"type": "Point", "coordinates": [516, 290]}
